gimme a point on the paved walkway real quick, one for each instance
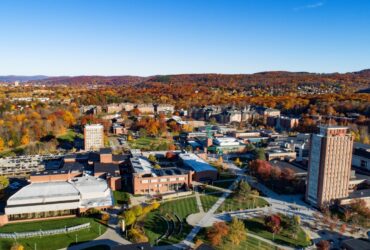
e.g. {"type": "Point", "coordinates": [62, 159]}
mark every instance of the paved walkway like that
{"type": "Point", "coordinates": [199, 203]}
{"type": "Point", "coordinates": [190, 237]}
{"type": "Point", "coordinates": [269, 241]}
{"type": "Point", "coordinates": [111, 237]}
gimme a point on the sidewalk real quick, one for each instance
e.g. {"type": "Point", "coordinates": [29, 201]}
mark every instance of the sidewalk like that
{"type": "Point", "coordinates": [111, 237]}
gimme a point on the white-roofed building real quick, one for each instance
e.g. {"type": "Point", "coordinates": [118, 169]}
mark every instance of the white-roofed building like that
{"type": "Point", "coordinates": [60, 198]}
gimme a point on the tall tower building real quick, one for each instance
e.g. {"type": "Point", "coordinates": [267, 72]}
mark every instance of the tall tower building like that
{"type": "Point", "coordinates": [94, 136]}
{"type": "Point", "coordinates": [329, 166]}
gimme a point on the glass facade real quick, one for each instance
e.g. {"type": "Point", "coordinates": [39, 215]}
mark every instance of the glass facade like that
{"type": "Point", "coordinates": [46, 214]}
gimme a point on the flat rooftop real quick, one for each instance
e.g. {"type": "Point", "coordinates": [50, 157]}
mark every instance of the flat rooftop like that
{"type": "Point", "coordinates": [170, 171]}
{"type": "Point", "coordinates": [141, 165]}
{"type": "Point", "coordinates": [359, 194]}
{"type": "Point", "coordinates": [44, 192]}
{"type": "Point", "coordinates": [195, 163]}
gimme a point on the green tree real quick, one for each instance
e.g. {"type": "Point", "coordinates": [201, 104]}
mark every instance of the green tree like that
{"type": "Point", "coordinates": [4, 182]}
{"type": "Point", "coordinates": [152, 158]}
{"type": "Point", "coordinates": [143, 132]}
{"type": "Point", "coordinates": [260, 154]}
{"type": "Point", "coordinates": [189, 148]}
{"type": "Point", "coordinates": [237, 162]}
{"type": "Point", "coordinates": [213, 121]}
{"type": "Point", "coordinates": [237, 232]}
{"type": "Point", "coordinates": [138, 210]}
{"type": "Point", "coordinates": [129, 217]}
{"type": "Point", "coordinates": [243, 190]}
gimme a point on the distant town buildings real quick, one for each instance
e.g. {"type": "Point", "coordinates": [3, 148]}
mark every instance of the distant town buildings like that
{"type": "Point", "coordinates": [329, 166]}
{"type": "Point", "coordinates": [164, 108]}
{"type": "Point", "coordinates": [282, 123]}
{"type": "Point", "coordinates": [93, 137]}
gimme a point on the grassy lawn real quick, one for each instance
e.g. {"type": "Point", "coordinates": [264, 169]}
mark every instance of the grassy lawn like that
{"type": "Point", "coordinates": [155, 227]}
{"type": "Point", "coordinates": [207, 189]}
{"type": "Point", "coordinates": [209, 200]}
{"type": "Point", "coordinates": [70, 136]}
{"type": "Point", "coordinates": [150, 143]}
{"type": "Point", "coordinates": [256, 226]}
{"type": "Point", "coordinates": [55, 241]}
{"type": "Point", "coordinates": [120, 197]}
{"type": "Point", "coordinates": [232, 204]}
{"type": "Point", "coordinates": [250, 243]}
{"type": "Point", "coordinates": [253, 243]}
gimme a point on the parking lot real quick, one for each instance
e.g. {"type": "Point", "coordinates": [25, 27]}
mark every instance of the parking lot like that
{"type": "Point", "coordinates": [23, 165]}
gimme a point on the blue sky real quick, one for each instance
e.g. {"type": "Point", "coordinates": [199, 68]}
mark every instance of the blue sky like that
{"type": "Point", "coordinates": [147, 37]}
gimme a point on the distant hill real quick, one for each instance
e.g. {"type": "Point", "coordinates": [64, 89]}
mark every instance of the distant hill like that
{"type": "Point", "coordinates": [93, 80]}
{"type": "Point", "coordinates": [13, 78]}
{"type": "Point", "coordinates": [359, 79]}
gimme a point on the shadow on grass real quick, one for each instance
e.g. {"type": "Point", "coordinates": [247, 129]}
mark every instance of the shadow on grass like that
{"type": "Point", "coordinates": [95, 245]}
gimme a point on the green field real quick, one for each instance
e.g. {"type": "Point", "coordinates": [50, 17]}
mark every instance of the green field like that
{"type": "Point", "coordinates": [253, 243]}
{"type": "Point", "coordinates": [256, 226]}
{"type": "Point", "coordinates": [155, 227]}
{"type": "Point", "coordinates": [70, 136]}
{"type": "Point", "coordinates": [150, 143]}
{"type": "Point", "coordinates": [209, 200]}
{"type": "Point", "coordinates": [250, 243]}
{"type": "Point", "coordinates": [207, 189]}
{"type": "Point", "coordinates": [230, 204]}
{"type": "Point", "coordinates": [55, 241]}
{"type": "Point", "coordinates": [120, 197]}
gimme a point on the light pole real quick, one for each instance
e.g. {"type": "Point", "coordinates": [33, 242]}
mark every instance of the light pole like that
{"type": "Point", "coordinates": [76, 238]}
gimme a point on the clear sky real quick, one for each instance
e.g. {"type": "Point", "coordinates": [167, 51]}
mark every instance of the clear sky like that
{"type": "Point", "coordinates": [147, 37]}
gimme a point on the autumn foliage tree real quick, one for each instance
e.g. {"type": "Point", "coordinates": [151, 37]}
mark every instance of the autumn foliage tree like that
{"type": "Point", "coordinates": [323, 245]}
{"type": "Point", "coordinates": [237, 232]}
{"type": "Point", "coordinates": [273, 223]}
{"type": "Point", "coordinates": [261, 168]}
{"type": "Point", "coordinates": [217, 232]}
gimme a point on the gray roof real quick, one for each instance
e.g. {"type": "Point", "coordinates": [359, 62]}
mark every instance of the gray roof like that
{"type": "Point", "coordinates": [196, 163]}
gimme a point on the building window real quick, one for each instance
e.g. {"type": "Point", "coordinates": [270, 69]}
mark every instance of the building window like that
{"type": "Point", "coordinates": [363, 164]}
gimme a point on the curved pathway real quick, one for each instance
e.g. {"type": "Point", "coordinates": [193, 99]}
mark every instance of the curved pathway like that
{"type": "Point", "coordinates": [111, 237]}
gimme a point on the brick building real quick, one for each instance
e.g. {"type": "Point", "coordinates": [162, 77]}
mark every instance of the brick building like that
{"type": "Point", "coordinates": [329, 167]}
{"type": "Point", "coordinates": [148, 180]}
{"type": "Point", "coordinates": [93, 137]}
